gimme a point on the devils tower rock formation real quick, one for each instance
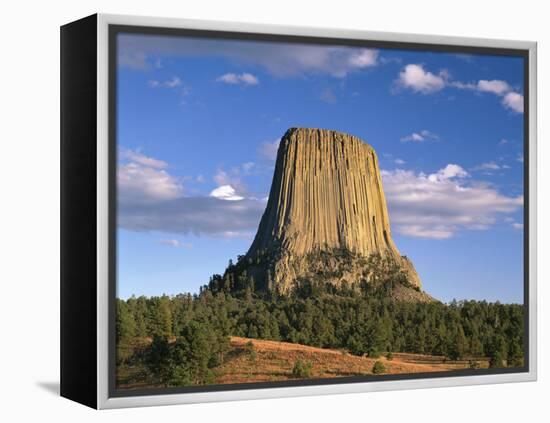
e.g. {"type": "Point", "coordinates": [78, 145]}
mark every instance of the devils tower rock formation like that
{"type": "Point", "coordinates": [326, 217]}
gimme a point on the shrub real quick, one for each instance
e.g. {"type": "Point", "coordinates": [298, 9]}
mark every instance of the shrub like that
{"type": "Point", "coordinates": [302, 370]}
{"type": "Point", "coordinates": [355, 346]}
{"type": "Point", "coordinates": [389, 356]}
{"type": "Point", "coordinates": [373, 352]}
{"type": "Point", "coordinates": [378, 368]}
{"type": "Point", "coordinates": [473, 364]}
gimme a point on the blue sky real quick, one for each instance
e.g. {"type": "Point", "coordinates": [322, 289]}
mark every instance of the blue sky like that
{"type": "Point", "coordinates": [198, 122]}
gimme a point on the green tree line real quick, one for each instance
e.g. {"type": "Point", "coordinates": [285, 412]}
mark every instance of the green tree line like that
{"type": "Point", "coordinates": [190, 333]}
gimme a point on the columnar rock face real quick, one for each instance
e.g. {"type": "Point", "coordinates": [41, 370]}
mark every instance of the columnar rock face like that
{"type": "Point", "coordinates": [326, 195]}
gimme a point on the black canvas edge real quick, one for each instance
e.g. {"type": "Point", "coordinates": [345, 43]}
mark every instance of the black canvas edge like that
{"type": "Point", "coordinates": [78, 266]}
{"type": "Point", "coordinates": [115, 29]}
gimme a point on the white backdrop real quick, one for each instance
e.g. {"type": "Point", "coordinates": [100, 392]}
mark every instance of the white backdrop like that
{"type": "Point", "coordinates": [29, 170]}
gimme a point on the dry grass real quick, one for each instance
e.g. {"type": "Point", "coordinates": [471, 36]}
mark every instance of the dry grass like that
{"type": "Point", "coordinates": [274, 361]}
{"type": "Point", "coordinates": [255, 360]}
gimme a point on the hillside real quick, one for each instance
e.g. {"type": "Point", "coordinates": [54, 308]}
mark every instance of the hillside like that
{"type": "Point", "coordinates": [275, 361]}
{"type": "Point", "coordinates": [254, 360]}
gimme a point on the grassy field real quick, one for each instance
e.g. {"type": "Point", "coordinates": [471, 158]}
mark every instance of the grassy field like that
{"type": "Point", "coordinates": [254, 360]}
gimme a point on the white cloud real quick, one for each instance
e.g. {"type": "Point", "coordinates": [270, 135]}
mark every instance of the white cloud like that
{"type": "Point", "coordinates": [448, 172]}
{"type": "Point", "coordinates": [430, 206]}
{"type": "Point", "coordinates": [171, 83]}
{"type": "Point", "coordinates": [494, 86]}
{"type": "Point", "coordinates": [415, 136]}
{"type": "Point", "coordinates": [279, 59]}
{"type": "Point", "coordinates": [518, 226]}
{"type": "Point", "coordinates": [137, 157]}
{"type": "Point", "coordinates": [226, 192]}
{"type": "Point", "coordinates": [176, 243]}
{"type": "Point", "coordinates": [150, 199]}
{"type": "Point", "coordinates": [399, 162]}
{"type": "Point", "coordinates": [503, 142]}
{"type": "Point", "coordinates": [364, 58]}
{"type": "Point", "coordinates": [439, 205]}
{"type": "Point", "coordinates": [289, 60]}
{"type": "Point", "coordinates": [201, 216]}
{"type": "Point", "coordinates": [414, 77]}
{"type": "Point", "coordinates": [144, 179]}
{"type": "Point", "coordinates": [243, 78]}
{"type": "Point", "coordinates": [513, 101]}
{"type": "Point", "coordinates": [249, 79]}
{"type": "Point", "coordinates": [268, 149]}
{"type": "Point", "coordinates": [229, 78]}
{"type": "Point", "coordinates": [463, 85]}
{"type": "Point", "coordinates": [510, 99]}
{"type": "Point", "coordinates": [417, 79]}
{"type": "Point", "coordinates": [232, 178]}
{"type": "Point", "coordinates": [421, 136]}
{"type": "Point", "coordinates": [489, 166]}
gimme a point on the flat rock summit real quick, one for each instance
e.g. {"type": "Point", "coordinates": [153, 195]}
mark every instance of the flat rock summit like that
{"type": "Point", "coordinates": [326, 217]}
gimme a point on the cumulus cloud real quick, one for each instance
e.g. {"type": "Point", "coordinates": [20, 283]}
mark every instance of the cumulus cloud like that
{"type": "Point", "coordinates": [231, 177]}
{"type": "Point", "coordinates": [139, 158]}
{"type": "Point", "coordinates": [415, 136]}
{"type": "Point", "coordinates": [226, 192]}
{"type": "Point", "coordinates": [513, 101]}
{"type": "Point", "coordinates": [494, 86]}
{"type": "Point", "coordinates": [448, 172]}
{"type": "Point", "coordinates": [144, 180]}
{"type": "Point", "coordinates": [235, 79]}
{"type": "Point", "coordinates": [416, 78]}
{"type": "Point", "coordinates": [421, 136]}
{"type": "Point", "coordinates": [171, 83]}
{"type": "Point", "coordinates": [436, 205]}
{"type": "Point", "coordinates": [150, 199]}
{"type": "Point", "coordinates": [439, 205]}
{"type": "Point", "coordinates": [363, 58]}
{"type": "Point", "coordinates": [234, 176]}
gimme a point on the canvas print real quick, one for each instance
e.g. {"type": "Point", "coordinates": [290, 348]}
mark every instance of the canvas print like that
{"type": "Point", "coordinates": [291, 211]}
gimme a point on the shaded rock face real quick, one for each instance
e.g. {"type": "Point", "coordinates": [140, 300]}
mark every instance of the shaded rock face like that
{"type": "Point", "coordinates": [326, 195]}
